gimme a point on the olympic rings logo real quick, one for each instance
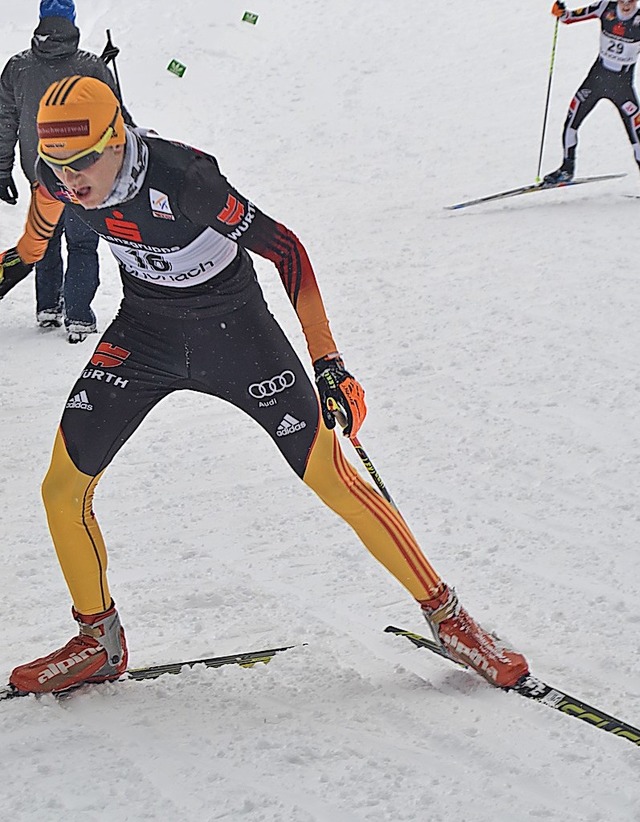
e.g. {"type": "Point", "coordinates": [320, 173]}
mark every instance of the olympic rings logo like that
{"type": "Point", "coordinates": [267, 388]}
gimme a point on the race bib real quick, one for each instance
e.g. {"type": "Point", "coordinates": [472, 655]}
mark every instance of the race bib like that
{"type": "Point", "coordinates": [616, 53]}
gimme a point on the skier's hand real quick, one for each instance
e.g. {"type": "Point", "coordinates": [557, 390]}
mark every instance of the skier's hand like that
{"type": "Point", "coordinates": [12, 270]}
{"type": "Point", "coordinates": [558, 9]}
{"type": "Point", "coordinates": [8, 190]}
{"type": "Point", "coordinates": [341, 395]}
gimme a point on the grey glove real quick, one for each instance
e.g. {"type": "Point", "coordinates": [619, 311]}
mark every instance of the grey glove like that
{"type": "Point", "coordinates": [8, 190]}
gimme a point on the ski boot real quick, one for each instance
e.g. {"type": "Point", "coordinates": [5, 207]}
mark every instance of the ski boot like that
{"type": "Point", "coordinates": [97, 654]}
{"type": "Point", "coordinates": [564, 174]}
{"type": "Point", "coordinates": [467, 642]}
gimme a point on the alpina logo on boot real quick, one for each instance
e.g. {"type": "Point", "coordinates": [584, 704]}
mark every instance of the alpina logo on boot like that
{"type": "Point", "coordinates": [472, 654]}
{"type": "Point", "coordinates": [54, 669]}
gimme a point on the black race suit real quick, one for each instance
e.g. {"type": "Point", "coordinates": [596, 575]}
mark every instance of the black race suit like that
{"type": "Point", "coordinates": [193, 316]}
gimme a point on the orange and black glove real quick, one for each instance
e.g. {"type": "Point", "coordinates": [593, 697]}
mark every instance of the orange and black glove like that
{"type": "Point", "coordinates": [12, 270]}
{"type": "Point", "coordinates": [340, 394]}
{"type": "Point", "coordinates": [558, 9]}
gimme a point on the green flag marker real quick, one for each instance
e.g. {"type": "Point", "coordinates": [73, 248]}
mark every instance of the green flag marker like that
{"type": "Point", "coordinates": [249, 17]}
{"type": "Point", "coordinates": [176, 68]}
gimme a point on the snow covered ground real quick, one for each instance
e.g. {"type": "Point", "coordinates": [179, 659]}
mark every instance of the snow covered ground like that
{"type": "Point", "coordinates": [499, 349]}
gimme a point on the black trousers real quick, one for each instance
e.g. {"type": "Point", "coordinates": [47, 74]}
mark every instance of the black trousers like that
{"type": "Point", "coordinates": [241, 356]}
{"type": "Point", "coordinates": [602, 84]}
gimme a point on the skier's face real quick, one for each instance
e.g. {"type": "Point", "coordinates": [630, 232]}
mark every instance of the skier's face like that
{"type": "Point", "coordinates": [627, 6]}
{"type": "Point", "coordinates": [92, 185]}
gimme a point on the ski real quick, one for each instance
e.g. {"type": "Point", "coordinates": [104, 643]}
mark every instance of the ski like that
{"type": "Point", "coordinates": [245, 660]}
{"type": "Point", "coordinates": [532, 688]}
{"type": "Point", "coordinates": [529, 687]}
{"type": "Point", "coordinates": [542, 186]}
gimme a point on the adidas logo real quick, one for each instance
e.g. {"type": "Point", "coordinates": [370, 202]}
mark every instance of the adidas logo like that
{"type": "Point", "coordinates": [81, 401]}
{"type": "Point", "coordinates": [289, 425]}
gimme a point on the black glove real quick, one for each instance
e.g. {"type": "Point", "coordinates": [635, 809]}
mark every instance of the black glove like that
{"type": "Point", "coordinates": [12, 270]}
{"type": "Point", "coordinates": [8, 190]}
{"type": "Point", "coordinates": [340, 393]}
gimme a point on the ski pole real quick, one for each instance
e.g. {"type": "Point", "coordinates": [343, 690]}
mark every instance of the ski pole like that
{"type": "Point", "coordinates": [342, 421]}
{"type": "Point", "coordinates": [546, 107]}
{"type": "Point", "coordinates": [109, 54]}
{"type": "Point", "coordinates": [372, 470]}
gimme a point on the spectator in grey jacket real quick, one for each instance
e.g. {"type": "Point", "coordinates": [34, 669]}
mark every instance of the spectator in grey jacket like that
{"type": "Point", "coordinates": [54, 54]}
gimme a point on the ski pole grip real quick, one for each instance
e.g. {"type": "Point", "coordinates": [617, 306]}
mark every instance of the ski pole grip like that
{"type": "Point", "coordinates": [337, 412]}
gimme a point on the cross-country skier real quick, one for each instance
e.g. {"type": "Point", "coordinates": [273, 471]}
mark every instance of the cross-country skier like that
{"type": "Point", "coordinates": [610, 77]}
{"type": "Point", "coordinates": [193, 317]}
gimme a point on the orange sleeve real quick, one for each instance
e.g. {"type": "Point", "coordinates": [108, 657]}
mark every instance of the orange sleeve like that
{"type": "Point", "coordinates": [44, 215]}
{"type": "Point", "coordinates": [280, 245]}
{"type": "Point", "coordinates": [299, 280]}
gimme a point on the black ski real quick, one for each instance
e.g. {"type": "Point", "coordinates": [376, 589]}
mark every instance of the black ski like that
{"type": "Point", "coordinates": [542, 186]}
{"type": "Point", "coordinates": [246, 660]}
{"type": "Point", "coordinates": [532, 688]}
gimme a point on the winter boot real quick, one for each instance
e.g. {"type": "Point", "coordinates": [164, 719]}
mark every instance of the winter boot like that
{"type": "Point", "coordinates": [467, 642]}
{"type": "Point", "coordinates": [78, 332]}
{"type": "Point", "coordinates": [51, 318]}
{"type": "Point", "coordinates": [564, 174]}
{"type": "Point", "coordinates": [97, 654]}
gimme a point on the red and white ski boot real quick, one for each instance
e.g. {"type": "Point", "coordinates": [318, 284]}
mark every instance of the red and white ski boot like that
{"type": "Point", "coordinates": [97, 654]}
{"type": "Point", "coordinates": [467, 642]}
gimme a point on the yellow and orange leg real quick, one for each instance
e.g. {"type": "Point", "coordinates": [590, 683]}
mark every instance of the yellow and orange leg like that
{"type": "Point", "coordinates": [68, 501]}
{"type": "Point", "coordinates": [378, 524]}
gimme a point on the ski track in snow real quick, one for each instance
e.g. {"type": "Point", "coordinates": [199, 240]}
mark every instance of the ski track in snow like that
{"type": "Point", "coordinates": [498, 346]}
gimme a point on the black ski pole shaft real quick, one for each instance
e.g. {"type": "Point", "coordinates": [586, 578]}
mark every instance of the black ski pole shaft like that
{"type": "Point", "coordinates": [546, 106]}
{"type": "Point", "coordinates": [372, 471]}
{"type": "Point", "coordinates": [342, 421]}
{"type": "Point", "coordinates": [115, 67]}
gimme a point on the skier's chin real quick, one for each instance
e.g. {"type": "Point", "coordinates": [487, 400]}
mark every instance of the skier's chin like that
{"type": "Point", "coordinates": [85, 195]}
